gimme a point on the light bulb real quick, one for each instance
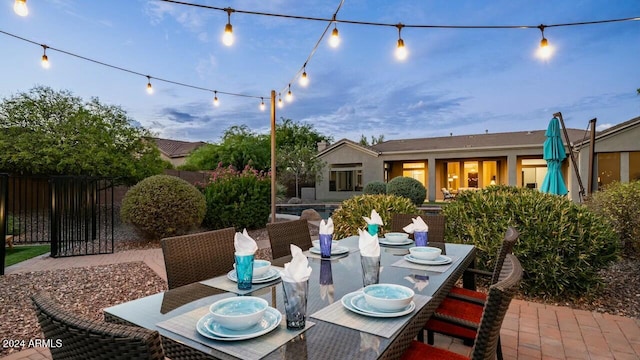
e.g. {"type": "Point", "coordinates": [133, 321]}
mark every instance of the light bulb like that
{"type": "Point", "coordinates": [401, 50]}
{"type": "Point", "coordinates": [262, 106]}
{"type": "Point", "coordinates": [545, 52]}
{"type": "Point", "coordinates": [45, 61]}
{"type": "Point", "coordinates": [304, 80]}
{"type": "Point", "coordinates": [20, 7]}
{"type": "Point", "coordinates": [289, 95]}
{"type": "Point", "coordinates": [216, 102]}
{"type": "Point", "coordinates": [334, 40]}
{"type": "Point", "coordinates": [280, 104]}
{"type": "Point", "coordinates": [149, 87]}
{"type": "Point", "coordinates": [227, 37]}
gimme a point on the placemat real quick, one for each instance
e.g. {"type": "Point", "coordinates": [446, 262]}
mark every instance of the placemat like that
{"type": "Point", "coordinates": [222, 282]}
{"type": "Point", "coordinates": [434, 268]}
{"type": "Point", "coordinates": [337, 314]}
{"type": "Point", "coordinates": [256, 348]}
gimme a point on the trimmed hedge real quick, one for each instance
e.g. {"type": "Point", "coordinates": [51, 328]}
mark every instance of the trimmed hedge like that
{"type": "Point", "coordinates": [347, 219]}
{"type": "Point", "coordinates": [375, 188]}
{"type": "Point", "coordinates": [562, 245]}
{"type": "Point", "coordinates": [163, 206]}
{"type": "Point", "coordinates": [407, 187]}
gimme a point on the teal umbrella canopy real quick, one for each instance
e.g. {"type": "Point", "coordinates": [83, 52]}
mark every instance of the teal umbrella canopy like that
{"type": "Point", "coordinates": [554, 153]}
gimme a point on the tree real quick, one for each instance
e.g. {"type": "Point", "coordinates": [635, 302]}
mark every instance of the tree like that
{"type": "Point", "coordinates": [47, 132]}
{"type": "Point", "coordinates": [374, 140]}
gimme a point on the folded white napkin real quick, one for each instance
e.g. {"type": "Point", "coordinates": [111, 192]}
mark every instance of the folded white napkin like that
{"type": "Point", "coordinates": [244, 244]}
{"type": "Point", "coordinates": [375, 218]}
{"type": "Point", "coordinates": [326, 228]}
{"type": "Point", "coordinates": [298, 269]}
{"type": "Point", "coordinates": [417, 225]}
{"type": "Point", "coordinates": [368, 244]}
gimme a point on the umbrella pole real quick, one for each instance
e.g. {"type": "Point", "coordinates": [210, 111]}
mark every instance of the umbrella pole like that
{"type": "Point", "coordinates": [573, 159]}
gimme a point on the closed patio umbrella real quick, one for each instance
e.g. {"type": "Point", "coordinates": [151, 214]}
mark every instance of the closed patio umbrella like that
{"type": "Point", "coordinates": [554, 153]}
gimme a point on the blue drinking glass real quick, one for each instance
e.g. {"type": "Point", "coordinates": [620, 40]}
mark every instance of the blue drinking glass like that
{"type": "Point", "coordinates": [372, 229]}
{"type": "Point", "coordinates": [244, 271]}
{"type": "Point", "coordinates": [421, 238]}
{"type": "Point", "coordinates": [325, 245]}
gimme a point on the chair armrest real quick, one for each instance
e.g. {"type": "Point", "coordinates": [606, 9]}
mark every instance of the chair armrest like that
{"type": "Point", "coordinates": [478, 272]}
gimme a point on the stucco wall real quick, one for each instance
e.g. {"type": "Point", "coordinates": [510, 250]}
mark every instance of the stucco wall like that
{"type": "Point", "coordinates": [372, 169]}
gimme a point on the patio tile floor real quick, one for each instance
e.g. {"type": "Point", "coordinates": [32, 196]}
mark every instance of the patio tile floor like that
{"type": "Point", "coordinates": [530, 330]}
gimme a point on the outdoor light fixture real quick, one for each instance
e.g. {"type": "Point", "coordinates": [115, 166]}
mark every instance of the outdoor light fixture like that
{"type": "Point", "coordinates": [20, 7]}
{"type": "Point", "coordinates": [45, 59]}
{"type": "Point", "coordinates": [262, 106]}
{"type": "Point", "coordinates": [216, 103]}
{"type": "Point", "coordinates": [280, 104]}
{"type": "Point", "coordinates": [289, 95]}
{"type": "Point", "coordinates": [149, 87]}
{"type": "Point", "coordinates": [401, 50]}
{"type": "Point", "coordinates": [304, 80]}
{"type": "Point", "coordinates": [545, 51]}
{"type": "Point", "coordinates": [227, 37]}
{"type": "Point", "coordinates": [334, 40]}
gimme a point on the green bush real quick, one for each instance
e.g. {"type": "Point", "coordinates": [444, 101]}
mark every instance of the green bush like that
{"type": "Point", "coordinates": [562, 245]}
{"type": "Point", "coordinates": [375, 188]}
{"type": "Point", "coordinates": [14, 226]}
{"type": "Point", "coordinates": [238, 199]}
{"type": "Point", "coordinates": [407, 187]}
{"type": "Point", "coordinates": [347, 219]}
{"type": "Point", "coordinates": [619, 203]}
{"type": "Point", "coordinates": [163, 205]}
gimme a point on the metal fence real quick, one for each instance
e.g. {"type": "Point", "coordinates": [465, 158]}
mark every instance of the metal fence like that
{"type": "Point", "coordinates": [73, 213]}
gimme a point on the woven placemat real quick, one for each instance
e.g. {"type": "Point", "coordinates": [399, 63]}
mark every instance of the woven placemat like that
{"type": "Point", "coordinates": [222, 282]}
{"type": "Point", "coordinates": [433, 268]}
{"type": "Point", "coordinates": [256, 348]}
{"type": "Point", "coordinates": [337, 314]}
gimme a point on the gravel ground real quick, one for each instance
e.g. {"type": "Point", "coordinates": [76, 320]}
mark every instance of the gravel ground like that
{"type": "Point", "coordinates": [86, 291]}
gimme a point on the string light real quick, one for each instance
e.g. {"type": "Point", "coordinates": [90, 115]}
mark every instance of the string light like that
{"type": "Point", "coordinates": [20, 7]}
{"type": "Point", "coordinates": [280, 104]}
{"type": "Point", "coordinates": [289, 95]}
{"type": "Point", "coordinates": [262, 106]}
{"type": "Point", "coordinates": [216, 103]}
{"type": "Point", "coordinates": [45, 59]}
{"type": "Point", "coordinates": [304, 80]}
{"type": "Point", "coordinates": [227, 37]}
{"type": "Point", "coordinates": [334, 40]}
{"type": "Point", "coordinates": [545, 51]}
{"type": "Point", "coordinates": [401, 50]}
{"type": "Point", "coordinates": [149, 87]}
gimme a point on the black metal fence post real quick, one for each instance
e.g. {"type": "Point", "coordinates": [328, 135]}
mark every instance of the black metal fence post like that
{"type": "Point", "coordinates": [4, 179]}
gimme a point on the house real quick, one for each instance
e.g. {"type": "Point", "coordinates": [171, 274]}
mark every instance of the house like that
{"type": "Point", "coordinates": [176, 151]}
{"type": "Point", "coordinates": [470, 162]}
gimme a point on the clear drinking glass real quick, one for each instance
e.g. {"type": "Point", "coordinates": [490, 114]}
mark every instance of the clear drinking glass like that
{"type": "Point", "coordinates": [295, 303]}
{"type": "Point", "coordinates": [325, 245]}
{"type": "Point", "coordinates": [370, 269]}
{"type": "Point", "coordinates": [244, 271]}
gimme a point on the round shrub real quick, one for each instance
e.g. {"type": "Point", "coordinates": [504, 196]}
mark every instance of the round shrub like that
{"type": "Point", "coordinates": [163, 205]}
{"type": "Point", "coordinates": [619, 203]}
{"type": "Point", "coordinates": [562, 245]}
{"type": "Point", "coordinates": [375, 188]}
{"type": "Point", "coordinates": [241, 199]}
{"type": "Point", "coordinates": [407, 187]}
{"type": "Point", "coordinates": [347, 219]}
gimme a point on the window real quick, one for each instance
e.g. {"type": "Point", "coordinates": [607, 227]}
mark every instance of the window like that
{"type": "Point", "coordinates": [608, 168]}
{"type": "Point", "coordinates": [345, 177]}
{"type": "Point", "coordinates": [415, 171]}
{"type": "Point", "coordinates": [634, 165]}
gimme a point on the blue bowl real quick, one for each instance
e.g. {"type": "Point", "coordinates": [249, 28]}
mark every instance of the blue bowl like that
{"type": "Point", "coordinates": [388, 297]}
{"type": "Point", "coordinates": [239, 312]}
{"type": "Point", "coordinates": [425, 252]}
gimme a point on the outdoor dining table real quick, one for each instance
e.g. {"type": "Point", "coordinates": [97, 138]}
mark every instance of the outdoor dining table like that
{"type": "Point", "coordinates": [330, 280]}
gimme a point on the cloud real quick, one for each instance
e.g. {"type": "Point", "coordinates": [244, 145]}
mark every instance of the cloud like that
{"type": "Point", "coordinates": [189, 17]}
{"type": "Point", "coordinates": [603, 127]}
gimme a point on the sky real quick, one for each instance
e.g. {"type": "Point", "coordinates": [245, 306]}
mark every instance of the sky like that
{"type": "Point", "coordinates": [454, 81]}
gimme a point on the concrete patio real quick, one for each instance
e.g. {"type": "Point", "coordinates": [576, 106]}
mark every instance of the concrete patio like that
{"type": "Point", "coordinates": [530, 330]}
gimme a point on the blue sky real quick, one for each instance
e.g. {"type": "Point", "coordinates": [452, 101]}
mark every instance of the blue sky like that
{"type": "Point", "coordinates": [456, 81]}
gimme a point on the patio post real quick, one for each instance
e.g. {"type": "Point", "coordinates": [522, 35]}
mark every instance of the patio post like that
{"type": "Point", "coordinates": [4, 188]}
{"type": "Point", "coordinates": [273, 156]}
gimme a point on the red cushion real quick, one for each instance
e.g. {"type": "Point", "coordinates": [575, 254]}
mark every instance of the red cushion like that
{"type": "Point", "coordinates": [449, 329]}
{"type": "Point", "coordinates": [460, 309]}
{"type": "Point", "coordinates": [462, 292]}
{"type": "Point", "coordinates": [419, 350]}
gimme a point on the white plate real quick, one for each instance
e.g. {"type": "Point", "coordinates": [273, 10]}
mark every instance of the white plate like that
{"type": "Point", "coordinates": [337, 250]}
{"type": "Point", "coordinates": [270, 275]}
{"type": "Point", "coordinates": [346, 302]}
{"type": "Point", "coordinates": [440, 260]}
{"type": "Point", "coordinates": [206, 327]}
{"type": "Point", "coordinates": [384, 241]}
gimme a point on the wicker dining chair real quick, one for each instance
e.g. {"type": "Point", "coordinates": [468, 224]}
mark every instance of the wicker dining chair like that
{"type": "Point", "coordinates": [459, 314]}
{"type": "Point", "coordinates": [196, 257]}
{"type": "Point", "coordinates": [284, 233]}
{"type": "Point", "coordinates": [74, 337]}
{"type": "Point", "coordinates": [436, 225]}
{"type": "Point", "coordinates": [488, 335]}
